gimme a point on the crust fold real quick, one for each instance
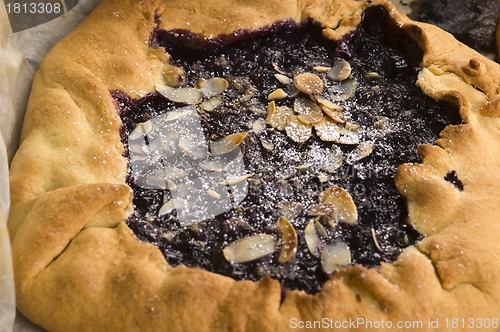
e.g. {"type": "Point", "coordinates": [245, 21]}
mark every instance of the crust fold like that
{"type": "Point", "coordinates": [79, 267]}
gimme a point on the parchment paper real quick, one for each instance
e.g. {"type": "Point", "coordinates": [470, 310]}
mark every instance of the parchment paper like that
{"type": "Point", "coordinates": [20, 55]}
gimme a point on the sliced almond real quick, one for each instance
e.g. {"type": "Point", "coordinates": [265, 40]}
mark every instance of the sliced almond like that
{"type": "Point", "coordinates": [141, 130]}
{"type": "Point", "coordinates": [278, 117]}
{"type": "Point", "coordinates": [290, 210]}
{"type": "Point", "coordinates": [154, 182]}
{"type": "Point", "coordinates": [192, 149]}
{"type": "Point", "coordinates": [348, 135]}
{"type": "Point", "coordinates": [278, 68]}
{"type": "Point", "coordinates": [345, 208]}
{"type": "Point", "coordinates": [293, 91]}
{"type": "Point", "coordinates": [334, 256]}
{"type": "Point", "coordinates": [173, 204]}
{"type": "Point", "coordinates": [322, 178]}
{"type": "Point", "coordinates": [250, 248]}
{"type": "Point", "coordinates": [277, 94]}
{"type": "Point", "coordinates": [236, 180]}
{"type": "Point", "coordinates": [375, 241]}
{"type": "Point", "coordinates": [371, 75]}
{"type": "Point", "coordinates": [336, 160]}
{"type": "Point", "coordinates": [213, 165]}
{"type": "Point", "coordinates": [309, 83]}
{"type": "Point", "coordinates": [289, 240]}
{"type": "Point", "coordinates": [322, 209]}
{"type": "Point", "coordinates": [342, 91]}
{"type": "Point", "coordinates": [297, 131]}
{"type": "Point", "coordinates": [336, 114]}
{"type": "Point", "coordinates": [169, 172]}
{"type": "Point", "coordinates": [363, 150]}
{"type": "Point", "coordinates": [340, 71]}
{"type": "Point", "coordinates": [303, 167]}
{"type": "Point", "coordinates": [211, 104]}
{"type": "Point", "coordinates": [327, 130]}
{"type": "Point", "coordinates": [268, 146]}
{"type": "Point", "coordinates": [190, 96]}
{"type": "Point", "coordinates": [227, 144]}
{"type": "Point", "coordinates": [136, 147]}
{"type": "Point", "coordinates": [258, 126]}
{"type": "Point", "coordinates": [312, 239]}
{"type": "Point", "coordinates": [283, 79]}
{"type": "Point", "coordinates": [212, 193]}
{"type": "Point", "coordinates": [320, 229]}
{"type": "Point", "coordinates": [178, 114]}
{"type": "Point", "coordinates": [334, 111]}
{"type": "Point", "coordinates": [309, 112]}
{"type": "Point", "coordinates": [321, 69]}
{"type": "Point", "coordinates": [213, 86]}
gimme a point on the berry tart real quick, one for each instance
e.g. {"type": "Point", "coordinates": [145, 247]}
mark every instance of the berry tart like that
{"type": "Point", "coordinates": [258, 166]}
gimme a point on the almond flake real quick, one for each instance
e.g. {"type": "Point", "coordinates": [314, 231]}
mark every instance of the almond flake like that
{"type": "Point", "coordinates": [323, 178]}
{"type": "Point", "coordinates": [327, 130]}
{"type": "Point", "coordinates": [348, 135]}
{"type": "Point", "coordinates": [227, 144]}
{"type": "Point", "coordinates": [290, 210]}
{"type": "Point", "coordinates": [283, 79]}
{"type": "Point", "coordinates": [377, 245]}
{"type": "Point", "coordinates": [213, 86]}
{"type": "Point", "coordinates": [277, 94]}
{"type": "Point", "coordinates": [312, 239]}
{"type": "Point", "coordinates": [340, 71]}
{"type": "Point", "coordinates": [178, 114]}
{"type": "Point", "coordinates": [277, 68]}
{"type": "Point", "coordinates": [321, 69]}
{"type": "Point", "coordinates": [334, 256]}
{"type": "Point", "coordinates": [309, 83]}
{"type": "Point", "coordinates": [303, 167]}
{"type": "Point", "coordinates": [363, 150]}
{"type": "Point", "coordinates": [345, 208]}
{"type": "Point", "coordinates": [278, 117]}
{"type": "Point", "coordinates": [258, 126]}
{"type": "Point", "coordinates": [170, 173]}
{"type": "Point", "coordinates": [236, 180]}
{"type": "Point", "coordinates": [293, 91]}
{"type": "Point", "coordinates": [298, 131]}
{"type": "Point", "coordinates": [289, 241]}
{"type": "Point", "coordinates": [250, 248]}
{"type": "Point", "coordinates": [322, 209]}
{"type": "Point", "coordinates": [212, 193]}
{"type": "Point", "coordinates": [190, 96]}
{"type": "Point", "coordinates": [141, 130]}
{"type": "Point", "coordinates": [211, 104]}
{"type": "Point", "coordinates": [155, 182]}
{"type": "Point", "coordinates": [309, 112]}
{"type": "Point", "coordinates": [268, 146]}
{"type": "Point", "coordinates": [173, 204]}
{"type": "Point", "coordinates": [212, 165]}
{"type": "Point", "coordinates": [334, 111]}
{"type": "Point", "coordinates": [195, 151]}
{"type": "Point", "coordinates": [320, 229]}
{"type": "Point", "coordinates": [342, 91]}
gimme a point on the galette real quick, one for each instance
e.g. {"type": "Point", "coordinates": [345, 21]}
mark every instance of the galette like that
{"type": "Point", "coordinates": [258, 166]}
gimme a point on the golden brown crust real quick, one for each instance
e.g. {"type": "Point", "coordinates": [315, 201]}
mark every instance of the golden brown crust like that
{"type": "Point", "coordinates": [79, 267]}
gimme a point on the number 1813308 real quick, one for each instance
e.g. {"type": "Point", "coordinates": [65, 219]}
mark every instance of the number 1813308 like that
{"type": "Point", "coordinates": [34, 8]}
{"type": "Point", "coordinates": [471, 323]}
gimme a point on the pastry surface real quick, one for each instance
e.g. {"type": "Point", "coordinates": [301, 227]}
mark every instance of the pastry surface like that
{"type": "Point", "coordinates": [70, 198]}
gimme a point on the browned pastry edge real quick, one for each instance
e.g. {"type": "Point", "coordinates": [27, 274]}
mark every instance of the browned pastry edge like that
{"type": "Point", "coordinates": [79, 267]}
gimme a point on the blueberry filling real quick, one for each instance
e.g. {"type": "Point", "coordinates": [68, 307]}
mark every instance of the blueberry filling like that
{"type": "Point", "coordinates": [266, 214]}
{"type": "Point", "coordinates": [453, 178]}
